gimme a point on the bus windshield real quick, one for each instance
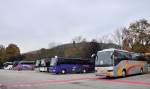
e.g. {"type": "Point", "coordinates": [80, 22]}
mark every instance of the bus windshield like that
{"type": "Point", "coordinates": [7, 63]}
{"type": "Point", "coordinates": [53, 62]}
{"type": "Point", "coordinates": [37, 64]}
{"type": "Point", "coordinates": [43, 63]}
{"type": "Point", "coordinates": [104, 59]}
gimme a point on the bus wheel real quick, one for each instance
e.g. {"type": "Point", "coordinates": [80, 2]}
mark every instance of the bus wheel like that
{"type": "Point", "coordinates": [141, 71]}
{"type": "Point", "coordinates": [123, 73]}
{"type": "Point", "coordinates": [63, 71]}
{"type": "Point", "coordinates": [84, 71]}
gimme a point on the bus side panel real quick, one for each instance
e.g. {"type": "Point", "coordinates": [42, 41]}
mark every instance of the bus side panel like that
{"type": "Point", "coordinates": [26, 67]}
{"type": "Point", "coordinates": [131, 67]}
{"type": "Point", "coordinates": [66, 67]}
{"type": "Point", "coordinates": [135, 67]}
{"type": "Point", "coordinates": [71, 67]}
{"type": "Point", "coordinates": [117, 71]}
{"type": "Point", "coordinates": [88, 68]}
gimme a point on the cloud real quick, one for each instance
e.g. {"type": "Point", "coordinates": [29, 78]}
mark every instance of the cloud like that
{"type": "Point", "coordinates": [32, 24]}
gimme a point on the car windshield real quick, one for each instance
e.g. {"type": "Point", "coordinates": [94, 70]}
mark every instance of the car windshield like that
{"type": "Point", "coordinates": [104, 59]}
{"type": "Point", "coordinates": [53, 61]}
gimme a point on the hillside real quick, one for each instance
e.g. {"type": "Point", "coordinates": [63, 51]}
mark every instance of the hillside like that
{"type": "Point", "coordinates": [67, 50]}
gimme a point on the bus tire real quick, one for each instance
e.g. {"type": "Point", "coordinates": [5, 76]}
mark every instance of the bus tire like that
{"type": "Point", "coordinates": [63, 71]}
{"type": "Point", "coordinates": [84, 71]}
{"type": "Point", "coordinates": [141, 71]}
{"type": "Point", "coordinates": [124, 73]}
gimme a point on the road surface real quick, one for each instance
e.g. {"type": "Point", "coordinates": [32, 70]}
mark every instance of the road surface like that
{"type": "Point", "coordinates": [10, 79]}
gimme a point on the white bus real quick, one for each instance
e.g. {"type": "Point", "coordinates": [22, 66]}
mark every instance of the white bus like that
{"type": "Point", "coordinates": [8, 65]}
{"type": "Point", "coordinates": [44, 64]}
{"type": "Point", "coordinates": [115, 63]}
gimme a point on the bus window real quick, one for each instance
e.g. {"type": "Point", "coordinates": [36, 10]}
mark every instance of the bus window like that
{"type": "Point", "coordinates": [104, 59]}
{"type": "Point", "coordinates": [43, 63]}
{"type": "Point", "coordinates": [53, 61]}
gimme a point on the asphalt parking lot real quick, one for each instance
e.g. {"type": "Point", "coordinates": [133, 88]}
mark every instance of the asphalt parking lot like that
{"type": "Point", "coordinates": [10, 79]}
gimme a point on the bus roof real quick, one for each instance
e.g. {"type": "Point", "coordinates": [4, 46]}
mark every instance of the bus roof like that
{"type": "Point", "coordinates": [66, 58]}
{"type": "Point", "coordinates": [112, 49]}
{"type": "Point", "coordinates": [26, 61]}
{"type": "Point", "coordinates": [8, 63]}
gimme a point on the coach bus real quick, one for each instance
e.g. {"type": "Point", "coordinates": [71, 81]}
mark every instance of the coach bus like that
{"type": "Point", "coordinates": [147, 55]}
{"type": "Point", "coordinates": [44, 64]}
{"type": "Point", "coordinates": [115, 63]}
{"type": "Point", "coordinates": [25, 65]}
{"type": "Point", "coordinates": [70, 65]}
{"type": "Point", "coordinates": [37, 65]}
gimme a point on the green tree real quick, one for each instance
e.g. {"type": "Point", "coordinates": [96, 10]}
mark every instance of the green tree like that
{"type": "Point", "coordinates": [29, 57]}
{"type": "Point", "coordinates": [2, 55]}
{"type": "Point", "coordinates": [71, 52]}
{"type": "Point", "coordinates": [11, 51]}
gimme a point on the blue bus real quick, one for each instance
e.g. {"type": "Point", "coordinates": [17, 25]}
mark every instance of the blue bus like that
{"type": "Point", "coordinates": [70, 65]}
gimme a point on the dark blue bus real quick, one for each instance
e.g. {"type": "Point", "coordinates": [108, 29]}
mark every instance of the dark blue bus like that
{"type": "Point", "coordinates": [70, 65]}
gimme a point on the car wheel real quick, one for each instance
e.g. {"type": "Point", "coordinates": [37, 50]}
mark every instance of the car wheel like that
{"type": "Point", "coordinates": [141, 70]}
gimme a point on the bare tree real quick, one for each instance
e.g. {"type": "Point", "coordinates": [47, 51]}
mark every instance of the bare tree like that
{"type": "Point", "coordinates": [78, 39]}
{"type": "Point", "coordinates": [117, 37]}
{"type": "Point", "coordinates": [105, 39]}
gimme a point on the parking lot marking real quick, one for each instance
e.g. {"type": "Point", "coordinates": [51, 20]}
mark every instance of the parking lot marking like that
{"type": "Point", "coordinates": [36, 83]}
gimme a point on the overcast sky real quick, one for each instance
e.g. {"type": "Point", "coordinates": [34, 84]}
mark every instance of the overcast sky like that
{"type": "Point", "coordinates": [33, 24]}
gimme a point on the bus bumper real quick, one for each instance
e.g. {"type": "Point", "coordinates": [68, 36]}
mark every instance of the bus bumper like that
{"type": "Point", "coordinates": [110, 74]}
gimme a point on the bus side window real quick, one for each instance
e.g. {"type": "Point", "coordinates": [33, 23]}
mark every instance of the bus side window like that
{"type": "Point", "coordinates": [118, 57]}
{"type": "Point", "coordinates": [121, 56]}
{"type": "Point", "coordinates": [115, 55]}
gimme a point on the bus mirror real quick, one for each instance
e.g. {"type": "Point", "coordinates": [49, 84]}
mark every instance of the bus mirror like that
{"type": "Point", "coordinates": [93, 55]}
{"type": "Point", "coordinates": [56, 56]}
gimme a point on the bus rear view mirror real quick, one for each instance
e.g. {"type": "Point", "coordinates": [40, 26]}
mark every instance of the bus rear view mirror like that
{"type": "Point", "coordinates": [93, 55]}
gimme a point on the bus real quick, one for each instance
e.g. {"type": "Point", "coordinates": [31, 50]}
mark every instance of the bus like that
{"type": "Point", "coordinates": [15, 63]}
{"type": "Point", "coordinates": [115, 63]}
{"type": "Point", "coordinates": [8, 65]}
{"type": "Point", "coordinates": [44, 64]}
{"type": "Point", "coordinates": [147, 56]}
{"type": "Point", "coordinates": [37, 65]}
{"type": "Point", "coordinates": [70, 65]}
{"type": "Point", "coordinates": [25, 65]}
